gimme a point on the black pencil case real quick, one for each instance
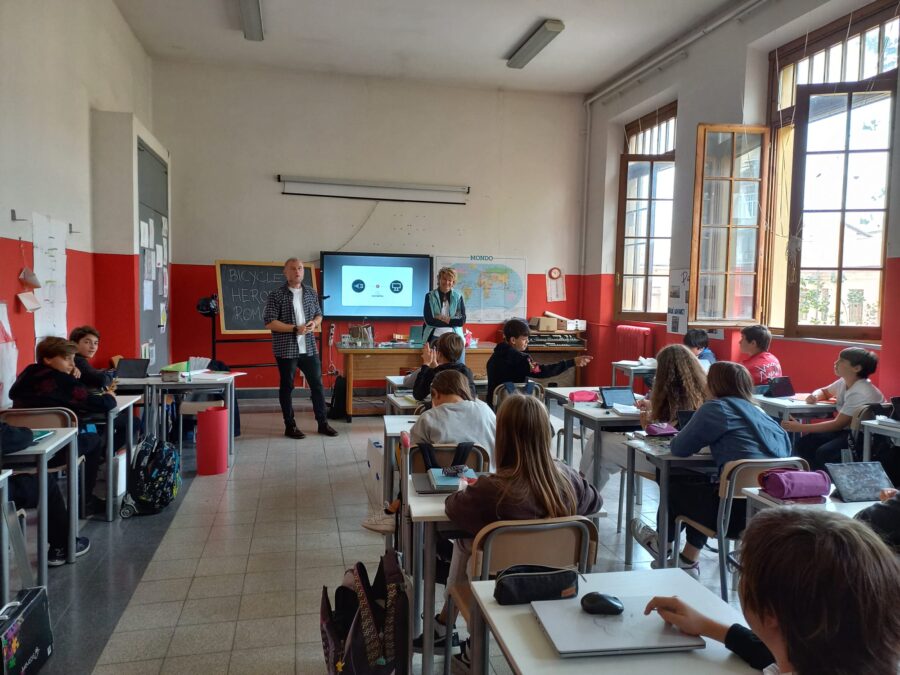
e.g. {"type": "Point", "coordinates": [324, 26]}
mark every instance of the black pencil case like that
{"type": "Point", "coordinates": [521, 584]}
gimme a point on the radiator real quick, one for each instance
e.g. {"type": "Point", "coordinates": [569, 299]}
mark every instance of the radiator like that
{"type": "Point", "coordinates": [632, 342]}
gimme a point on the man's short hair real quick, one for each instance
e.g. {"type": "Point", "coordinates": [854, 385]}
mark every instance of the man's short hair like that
{"type": "Point", "coordinates": [758, 334]}
{"type": "Point", "coordinates": [515, 328]}
{"type": "Point", "coordinates": [78, 334]}
{"type": "Point", "coordinates": [696, 338]}
{"type": "Point", "coordinates": [857, 356]}
{"type": "Point", "coordinates": [451, 346]}
{"type": "Point", "coordinates": [51, 347]}
{"type": "Point", "coordinates": [289, 261]}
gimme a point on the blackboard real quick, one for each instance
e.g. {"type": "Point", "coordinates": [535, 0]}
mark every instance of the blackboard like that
{"type": "Point", "coordinates": [244, 287]}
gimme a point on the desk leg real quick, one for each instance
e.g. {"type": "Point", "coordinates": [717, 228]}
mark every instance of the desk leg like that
{"type": "Point", "coordinates": [631, 380]}
{"type": "Point", "coordinates": [612, 382]}
{"type": "Point", "coordinates": [348, 373]}
{"type": "Point", "coordinates": [387, 471]}
{"type": "Point", "coordinates": [663, 516]}
{"type": "Point", "coordinates": [129, 442]}
{"type": "Point", "coordinates": [42, 519]}
{"type": "Point", "coordinates": [73, 502]}
{"type": "Point", "coordinates": [429, 564]}
{"type": "Point", "coordinates": [110, 458]}
{"type": "Point", "coordinates": [230, 395]}
{"type": "Point", "coordinates": [867, 444]}
{"type": "Point", "coordinates": [629, 505]}
{"type": "Point", "coordinates": [417, 558]}
{"type": "Point", "coordinates": [568, 434]}
{"type": "Point", "coordinates": [480, 641]}
{"type": "Point", "coordinates": [598, 453]}
{"type": "Point", "coordinates": [4, 544]}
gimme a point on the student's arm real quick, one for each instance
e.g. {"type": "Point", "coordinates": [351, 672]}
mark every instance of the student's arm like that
{"type": "Point", "coordinates": [841, 421]}
{"type": "Point", "coordinates": [422, 387]}
{"type": "Point", "coordinates": [551, 369]}
{"type": "Point", "coordinates": [705, 427]}
{"type": "Point", "coordinates": [823, 394]}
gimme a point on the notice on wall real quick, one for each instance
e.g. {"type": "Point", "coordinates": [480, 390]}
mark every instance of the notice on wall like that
{"type": "Point", "coordinates": [159, 255]}
{"type": "Point", "coordinates": [147, 304]}
{"type": "Point", "coordinates": [165, 226]}
{"type": "Point", "coordinates": [163, 317]}
{"type": "Point", "coordinates": [679, 292]}
{"type": "Point", "coordinates": [144, 234]}
{"type": "Point", "coordinates": [49, 238]}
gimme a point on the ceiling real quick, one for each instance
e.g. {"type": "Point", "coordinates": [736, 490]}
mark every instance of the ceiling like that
{"type": "Point", "coordinates": [462, 42]}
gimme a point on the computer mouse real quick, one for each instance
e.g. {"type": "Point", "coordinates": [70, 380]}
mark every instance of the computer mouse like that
{"type": "Point", "coordinates": [600, 603]}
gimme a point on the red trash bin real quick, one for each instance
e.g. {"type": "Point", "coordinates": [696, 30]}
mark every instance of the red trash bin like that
{"type": "Point", "coordinates": [212, 441]}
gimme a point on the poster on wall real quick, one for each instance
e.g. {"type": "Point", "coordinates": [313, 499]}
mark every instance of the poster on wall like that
{"type": "Point", "coordinates": [49, 237]}
{"type": "Point", "coordinates": [679, 292]}
{"type": "Point", "coordinates": [493, 288]}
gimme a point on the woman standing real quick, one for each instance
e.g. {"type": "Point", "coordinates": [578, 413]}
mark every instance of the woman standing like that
{"type": "Point", "coordinates": [445, 311]}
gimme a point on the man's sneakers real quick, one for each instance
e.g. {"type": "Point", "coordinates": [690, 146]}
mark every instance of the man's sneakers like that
{"type": "Point", "coordinates": [293, 432]}
{"type": "Point", "coordinates": [440, 634]}
{"type": "Point", "coordinates": [648, 538]}
{"type": "Point", "coordinates": [325, 428]}
{"type": "Point", "coordinates": [56, 556]}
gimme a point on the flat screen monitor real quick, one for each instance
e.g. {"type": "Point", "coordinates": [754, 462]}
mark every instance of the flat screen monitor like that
{"type": "Point", "coordinates": [374, 286]}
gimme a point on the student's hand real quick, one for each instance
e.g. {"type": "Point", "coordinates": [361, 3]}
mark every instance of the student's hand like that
{"type": "Point", "coordinates": [642, 404]}
{"type": "Point", "coordinates": [887, 493]}
{"type": "Point", "coordinates": [684, 617]}
{"type": "Point", "coordinates": [428, 356]}
{"type": "Point", "coordinates": [645, 419]}
{"type": "Point", "coordinates": [582, 360]}
{"type": "Point", "coordinates": [76, 372]}
{"type": "Point", "coordinates": [443, 317]}
{"type": "Point", "coordinates": [812, 398]}
{"type": "Point", "coordinates": [791, 425]}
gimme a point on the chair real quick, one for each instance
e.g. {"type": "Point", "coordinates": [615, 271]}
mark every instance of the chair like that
{"type": "Point", "coordinates": [44, 418]}
{"type": "Point", "coordinates": [569, 541]}
{"type": "Point", "coordinates": [736, 475]}
{"type": "Point", "coordinates": [502, 391]}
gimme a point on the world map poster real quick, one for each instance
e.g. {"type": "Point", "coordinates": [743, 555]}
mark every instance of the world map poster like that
{"type": "Point", "coordinates": [494, 289]}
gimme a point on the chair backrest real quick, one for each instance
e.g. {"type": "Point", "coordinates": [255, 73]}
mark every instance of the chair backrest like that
{"type": "Point", "coordinates": [506, 389]}
{"type": "Point", "coordinates": [477, 460]}
{"type": "Point", "coordinates": [40, 418]}
{"type": "Point", "coordinates": [570, 541]}
{"type": "Point", "coordinates": [868, 412]}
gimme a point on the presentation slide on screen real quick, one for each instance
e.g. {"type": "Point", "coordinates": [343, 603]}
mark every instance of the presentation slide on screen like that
{"type": "Point", "coordinates": [364, 285]}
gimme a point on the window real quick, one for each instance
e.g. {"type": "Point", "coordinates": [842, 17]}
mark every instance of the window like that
{"type": "Point", "coordinates": [729, 199]}
{"type": "Point", "coordinates": [646, 192]}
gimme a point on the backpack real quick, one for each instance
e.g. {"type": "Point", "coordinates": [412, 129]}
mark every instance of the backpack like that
{"type": "Point", "coordinates": [367, 633]}
{"type": "Point", "coordinates": [337, 409]}
{"type": "Point", "coordinates": [155, 478]}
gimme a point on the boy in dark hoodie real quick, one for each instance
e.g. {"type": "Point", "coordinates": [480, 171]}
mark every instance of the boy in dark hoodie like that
{"type": "Point", "coordinates": [445, 356]}
{"type": "Point", "coordinates": [510, 363]}
{"type": "Point", "coordinates": [49, 383]}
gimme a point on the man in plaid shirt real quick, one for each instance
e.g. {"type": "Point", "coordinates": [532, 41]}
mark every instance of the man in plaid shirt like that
{"type": "Point", "coordinates": [293, 314]}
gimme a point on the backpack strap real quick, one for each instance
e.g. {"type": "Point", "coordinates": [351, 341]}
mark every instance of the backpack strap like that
{"type": "Point", "coordinates": [462, 452]}
{"type": "Point", "coordinates": [374, 647]}
{"type": "Point", "coordinates": [428, 457]}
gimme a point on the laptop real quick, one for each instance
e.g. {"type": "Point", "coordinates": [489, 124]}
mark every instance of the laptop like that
{"type": "Point", "coordinates": [132, 368]}
{"type": "Point", "coordinates": [415, 335]}
{"type": "Point", "coordinates": [620, 395]}
{"type": "Point", "coordinates": [575, 633]}
{"type": "Point", "coordinates": [780, 387]}
{"type": "Point", "coordinates": [859, 481]}
{"type": "Point", "coordinates": [423, 485]}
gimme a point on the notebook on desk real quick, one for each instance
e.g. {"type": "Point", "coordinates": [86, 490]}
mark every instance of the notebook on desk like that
{"type": "Point", "coordinates": [574, 632]}
{"type": "Point", "coordinates": [37, 435]}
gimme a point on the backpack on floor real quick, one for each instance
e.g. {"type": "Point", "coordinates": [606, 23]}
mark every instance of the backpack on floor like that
{"type": "Point", "coordinates": [155, 478]}
{"type": "Point", "coordinates": [337, 409]}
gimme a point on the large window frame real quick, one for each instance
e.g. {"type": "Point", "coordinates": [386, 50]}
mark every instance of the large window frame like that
{"type": "Point", "coordinates": [649, 139]}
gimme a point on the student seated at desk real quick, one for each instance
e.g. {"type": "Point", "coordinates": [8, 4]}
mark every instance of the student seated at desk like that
{"type": "Point", "coordinates": [87, 340]}
{"type": "Point", "coordinates": [49, 383]}
{"type": "Point", "coordinates": [884, 518]}
{"type": "Point", "coordinates": [23, 490]}
{"type": "Point", "coordinates": [822, 442]}
{"type": "Point", "coordinates": [680, 384]}
{"type": "Point", "coordinates": [455, 416]}
{"type": "Point", "coordinates": [733, 427]}
{"type": "Point", "coordinates": [444, 356]}
{"type": "Point", "coordinates": [761, 363]}
{"type": "Point", "coordinates": [510, 363]}
{"type": "Point", "coordinates": [819, 592]}
{"type": "Point", "coordinates": [697, 341]}
{"type": "Point", "coordinates": [528, 484]}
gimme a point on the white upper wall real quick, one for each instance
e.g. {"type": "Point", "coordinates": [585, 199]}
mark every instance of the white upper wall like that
{"type": "Point", "coordinates": [722, 80]}
{"type": "Point", "coordinates": [59, 59]}
{"type": "Point", "coordinates": [230, 131]}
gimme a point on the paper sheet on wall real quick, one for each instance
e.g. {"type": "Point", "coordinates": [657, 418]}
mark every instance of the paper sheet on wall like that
{"type": "Point", "coordinates": [49, 237]}
{"type": "Point", "coordinates": [159, 255]}
{"type": "Point", "coordinates": [163, 317]}
{"type": "Point", "coordinates": [9, 354]}
{"type": "Point", "coordinates": [151, 257]}
{"type": "Point", "coordinates": [165, 282]}
{"type": "Point", "coordinates": [151, 353]}
{"type": "Point", "coordinates": [145, 236]}
{"type": "Point", "coordinates": [29, 301]}
{"type": "Point", "coordinates": [165, 248]}
{"type": "Point", "coordinates": [556, 288]}
{"type": "Point", "coordinates": [151, 233]}
{"type": "Point", "coordinates": [165, 226]}
{"type": "Point", "coordinates": [148, 296]}
{"type": "Point", "coordinates": [677, 312]}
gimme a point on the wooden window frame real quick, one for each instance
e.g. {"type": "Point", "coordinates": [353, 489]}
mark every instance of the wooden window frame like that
{"type": "Point", "coordinates": [758, 286]}
{"type": "Point", "coordinates": [884, 82]}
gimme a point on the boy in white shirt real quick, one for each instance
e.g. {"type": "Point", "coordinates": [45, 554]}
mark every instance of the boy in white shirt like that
{"type": "Point", "coordinates": [824, 441]}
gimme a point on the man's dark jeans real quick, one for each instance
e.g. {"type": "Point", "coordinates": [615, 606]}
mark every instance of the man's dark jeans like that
{"type": "Point", "coordinates": [311, 367]}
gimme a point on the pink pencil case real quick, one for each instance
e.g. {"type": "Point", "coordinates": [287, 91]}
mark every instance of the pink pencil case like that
{"type": "Point", "coordinates": [583, 396]}
{"type": "Point", "coordinates": [795, 484]}
{"type": "Point", "coordinates": [660, 429]}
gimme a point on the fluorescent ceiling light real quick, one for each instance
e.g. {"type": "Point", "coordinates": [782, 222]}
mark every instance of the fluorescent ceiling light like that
{"type": "Point", "coordinates": [534, 44]}
{"type": "Point", "coordinates": [251, 20]}
{"type": "Point", "coordinates": [379, 191]}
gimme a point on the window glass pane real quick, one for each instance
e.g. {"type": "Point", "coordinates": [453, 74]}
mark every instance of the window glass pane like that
{"type": "Point", "coordinates": [636, 218]}
{"type": "Point", "coordinates": [713, 247]}
{"type": "Point", "coordinates": [746, 155]}
{"type": "Point", "coordinates": [824, 182]}
{"type": "Point", "coordinates": [740, 297]}
{"type": "Point", "coordinates": [633, 294]}
{"type": "Point", "coordinates": [635, 256]}
{"type": "Point", "coordinates": [870, 121]}
{"type": "Point", "coordinates": [632, 145]}
{"type": "Point", "coordinates": [673, 127]}
{"type": "Point", "coordinates": [745, 203]}
{"type": "Point", "coordinates": [718, 155]}
{"type": "Point", "coordinates": [658, 302]}
{"type": "Point", "coordinates": [820, 237]}
{"type": "Point", "coordinates": [638, 181]}
{"type": "Point", "coordinates": [851, 62]}
{"type": "Point", "coordinates": [653, 139]}
{"type": "Point", "coordinates": [803, 72]}
{"type": "Point", "coordinates": [867, 180]}
{"type": "Point", "coordinates": [715, 202]}
{"type": "Point", "coordinates": [661, 219]}
{"type": "Point", "coordinates": [860, 292]}
{"type": "Point", "coordinates": [663, 180]}
{"type": "Point", "coordinates": [817, 75]}
{"type": "Point", "coordinates": [870, 53]}
{"type": "Point", "coordinates": [889, 45]}
{"type": "Point", "coordinates": [743, 250]}
{"type": "Point", "coordinates": [834, 62]}
{"type": "Point", "coordinates": [818, 298]}
{"type": "Point", "coordinates": [711, 296]}
{"type": "Point", "coordinates": [863, 239]}
{"type": "Point", "coordinates": [659, 256]}
{"type": "Point", "coordinates": [827, 128]}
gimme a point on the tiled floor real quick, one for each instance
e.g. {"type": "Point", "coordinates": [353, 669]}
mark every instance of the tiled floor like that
{"type": "Point", "coordinates": [235, 582]}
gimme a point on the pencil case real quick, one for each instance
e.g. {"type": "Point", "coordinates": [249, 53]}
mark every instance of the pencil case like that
{"type": "Point", "coordinates": [520, 584]}
{"type": "Point", "coordinates": [583, 396]}
{"type": "Point", "coordinates": [794, 484]}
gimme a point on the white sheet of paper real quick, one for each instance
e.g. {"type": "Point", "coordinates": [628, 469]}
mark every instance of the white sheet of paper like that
{"type": "Point", "coordinates": [159, 255]}
{"type": "Point", "coordinates": [29, 301]}
{"type": "Point", "coordinates": [145, 237]}
{"type": "Point", "coordinates": [49, 238]}
{"type": "Point", "coordinates": [165, 226]}
{"type": "Point", "coordinates": [165, 248]}
{"type": "Point", "coordinates": [151, 233]}
{"type": "Point", "coordinates": [163, 317]}
{"type": "Point", "coordinates": [148, 296]}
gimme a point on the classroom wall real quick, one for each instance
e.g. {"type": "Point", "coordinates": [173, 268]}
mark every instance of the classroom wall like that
{"type": "Point", "coordinates": [58, 60]}
{"type": "Point", "coordinates": [230, 131]}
